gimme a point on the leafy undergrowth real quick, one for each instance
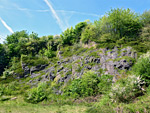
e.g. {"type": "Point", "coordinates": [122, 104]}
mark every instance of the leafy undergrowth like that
{"type": "Point", "coordinates": [139, 105]}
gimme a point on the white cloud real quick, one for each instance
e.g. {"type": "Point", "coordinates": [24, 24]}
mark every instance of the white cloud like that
{"type": "Point", "coordinates": [58, 20]}
{"type": "Point", "coordinates": [6, 26]}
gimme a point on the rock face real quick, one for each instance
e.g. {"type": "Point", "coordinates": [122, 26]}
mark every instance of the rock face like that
{"type": "Point", "coordinates": [65, 69]}
{"type": "Point", "coordinates": [31, 70]}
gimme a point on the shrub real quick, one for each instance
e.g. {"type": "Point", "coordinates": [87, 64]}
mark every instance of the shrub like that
{"type": "Point", "coordinates": [2, 88]}
{"type": "Point", "coordinates": [105, 83]}
{"type": "Point", "coordinates": [49, 53]}
{"type": "Point", "coordinates": [33, 61]}
{"type": "Point", "coordinates": [126, 89]}
{"type": "Point", "coordinates": [9, 89]}
{"type": "Point", "coordinates": [86, 86]}
{"type": "Point", "coordinates": [7, 73]}
{"type": "Point", "coordinates": [68, 37]}
{"type": "Point", "coordinates": [89, 34]}
{"type": "Point", "coordinates": [142, 67]}
{"type": "Point", "coordinates": [37, 94]}
{"type": "Point", "coordinates": [12, 88]}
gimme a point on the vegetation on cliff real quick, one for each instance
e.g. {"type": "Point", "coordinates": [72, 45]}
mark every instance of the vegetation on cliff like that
{"type": "Point", "coordinates": [106, 63]}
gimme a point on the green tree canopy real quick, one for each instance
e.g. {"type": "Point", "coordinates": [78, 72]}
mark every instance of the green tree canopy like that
{"type": "Point", "coordinates": [145, 17]}
{"type": "Point", "coordinates": [120, 22]}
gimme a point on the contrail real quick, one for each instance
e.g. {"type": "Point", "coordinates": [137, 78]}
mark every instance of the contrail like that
{"type": "Point", "coordinates": [46, 10]}
{"type": "Point", "coordinates": [81, 13]}
{"type": "Point", "coordinates": [58, 20]}
{"type": "Point", "coordinates": [6, 26]}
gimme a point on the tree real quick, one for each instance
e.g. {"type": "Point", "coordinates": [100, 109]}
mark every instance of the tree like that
{"type": "Point", "coordinates": [34, 36]}
{"type": "Point", "coordinates": [15, 43]}
{"type": "Point", "coordinates": [145, 17]}
{"type": "Point", "coordinates": [78, 30]}
{"type": "Point", "coordinates": [145, 34]}
{"type": "Point", "coordinates": [120, 23]}
{"type": "Point", "coordinates": [68, 36]}
{"type": "Point", "coordinates": [14, 38]}
{"type": "Point", "coordinates": [89, 34]}
{"type": "Point", "coordinates": [3, 58]}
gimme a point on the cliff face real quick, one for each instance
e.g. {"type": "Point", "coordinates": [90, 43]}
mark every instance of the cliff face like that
{"type": "Point", "coordinates": [102, 61]}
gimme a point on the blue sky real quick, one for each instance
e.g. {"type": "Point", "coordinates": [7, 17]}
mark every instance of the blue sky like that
{"type": "Point", "coordinates": [51, 17]}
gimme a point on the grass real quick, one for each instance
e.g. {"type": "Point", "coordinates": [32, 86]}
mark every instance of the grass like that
{"type": "Point", "coordinates": [20, 106]}
{"type": "Point", "coordinates": [140, 105]}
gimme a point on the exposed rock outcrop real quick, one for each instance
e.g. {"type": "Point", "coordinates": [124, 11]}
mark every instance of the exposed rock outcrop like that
{"type": "Point", "coordinates": [110, 61]}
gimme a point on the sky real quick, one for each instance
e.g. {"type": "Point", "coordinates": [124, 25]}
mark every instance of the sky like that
{"type": "Point", "coordinates": [52, 17]}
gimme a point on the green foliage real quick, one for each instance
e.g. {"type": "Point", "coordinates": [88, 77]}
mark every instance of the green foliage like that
{"type": "Point", "coordinates": [68, 36]}
{"type": "Point", "coordinates": [79, 28]}
{"type": "Point", "coordinates": [67, 51]}
{"type": "Point", "coordinates": [145, 17]}
{"type": "Point", "coordinates": [15, 42]}
{"type": "Point", "coordinates": [36, 94]}
{"type": "Point", "coordinates": [145, 35]}
{"type": "Point", "coordinates": [103, 106]}
{"type": "Point", "coordinates": [12, 88]}
{"type": "Point", "coordinates": [120, 23]}
{"type": "Point", "coordinates": [142, 67]}
{"type": "Point", "coordinates": [126, 89]}
{"type": "Point", "coordinates": [89, 34]}
{"type": "Point", "coordinates": [2, 90]}
{"type": "Point", "coordinates": [14, 38]}
{"type": "Point", "coordinates": [4, 58]}
{"type": "Point", "coordinates": [15, 66]}
{"type": "Point", "coordinates": [86, 86]}
{"type": "Point", "coordinates": [7, 73]}
{"type": "Point", "coordinates": [105, 83]}
{"type": "Point", "coordinates": [73, 35]}
{"type": "Point", "coordinates": [49, 53]}
{"type": "Point", "coordinates": [34, 36]}
{"type": "Point", "coordinates": [33, 61]}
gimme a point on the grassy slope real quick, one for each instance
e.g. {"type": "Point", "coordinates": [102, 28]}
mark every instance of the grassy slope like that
{"type": "Point", "coordinates": [19, 106]}
{"type": "Point", "coordinates": [140, 105]}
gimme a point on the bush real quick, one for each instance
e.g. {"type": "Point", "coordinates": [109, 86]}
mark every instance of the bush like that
{"type": "Point", "coordinates": [12, 88]}
{"type": "Point", "coordinates": [89, 34]}
{"type": "Point", "coordinates": [37, 94]}
{"type": "Point", "coordinates": [142, 67]}
{"type": "Point", "coordinates": [9, 89]}
{"type": "Point", "coordinates": [89, 85]}
{"type": "Point", "coordinates": [2, 88]}
{"type": "Point", "coordinates": [126, 89]}
{"type": "Point", "coordinates": [105, 83]}
{"type": "Point", "coordinates": [33, 61]}
{"type": "Point", "coordinates": [68, 37]}
{"type": "Point", "coordinates": [49, 53]}
{"type": "Point", "coordinates": [7, 73]}
{"type": "Point", "coordinates": [86, 86]}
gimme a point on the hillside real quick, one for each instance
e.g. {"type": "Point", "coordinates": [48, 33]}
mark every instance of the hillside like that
{"type": "Point", "coordinates": [94, 67]}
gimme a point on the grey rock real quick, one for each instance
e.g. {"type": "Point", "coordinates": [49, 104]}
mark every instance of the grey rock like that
{"type": "Point", "coordinates": [37, 68]}
{"type": "Point", "coordinates": [81, 63]}
{"type": "Point", "coordinates": [33, 75]}
{"type": "Point", "coordinates": [88, 67]}
{"type": "Point", "coordinates": [25, 68]}
{"type": "Point", "coordinates": [97, 60]}
{"type": "Point", "coordinates": [60, 69]}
